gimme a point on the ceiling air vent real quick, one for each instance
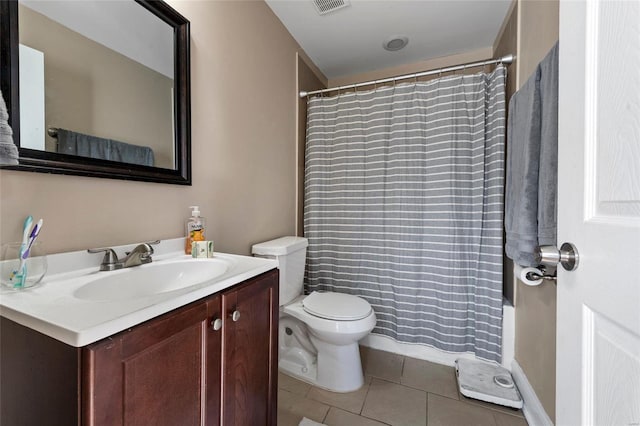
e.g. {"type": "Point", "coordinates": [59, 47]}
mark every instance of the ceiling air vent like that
{"type": "Point", "coordinates": [327, 6]}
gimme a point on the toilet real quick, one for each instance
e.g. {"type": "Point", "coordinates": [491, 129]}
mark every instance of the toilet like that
{"type": "Point", "coordinates": [318, 333]}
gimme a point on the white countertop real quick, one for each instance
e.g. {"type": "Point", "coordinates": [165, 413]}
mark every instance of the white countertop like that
{"type": "Point", "coordinates": [51, 308]}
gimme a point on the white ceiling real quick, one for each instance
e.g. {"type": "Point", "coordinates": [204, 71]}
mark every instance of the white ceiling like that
{"type": "Point", "coordinates": [349, 41]}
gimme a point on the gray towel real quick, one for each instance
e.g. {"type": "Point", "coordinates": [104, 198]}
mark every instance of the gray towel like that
{"type": "Point", "coordinates": [75, 143]}
{"type": "Point", "coordinates": [8, 150]}
{"type": "Point", "coordinates": [532, 163]}
{"type": "Point", "coordinates": [523, 160]}
{"type": "Point", "coordinates": [548, 176]}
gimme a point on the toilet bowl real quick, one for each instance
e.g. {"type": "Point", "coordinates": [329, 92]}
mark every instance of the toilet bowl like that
{"type": "Point", "coordinates": [318, 333]}
{"type": "Point", "coordinates": [339, 368]}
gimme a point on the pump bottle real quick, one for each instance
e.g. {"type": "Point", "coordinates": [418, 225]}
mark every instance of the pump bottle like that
{"type": "Point", "coordinates": [195, 228]}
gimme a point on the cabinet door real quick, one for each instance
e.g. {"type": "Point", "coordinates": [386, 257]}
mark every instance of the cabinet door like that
{"type": "Point", "coordinates": [151, 375]}
{"type": "Point", "coordinates": [250, 355]}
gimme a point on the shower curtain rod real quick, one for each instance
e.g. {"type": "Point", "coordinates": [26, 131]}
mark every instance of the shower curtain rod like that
{"type": "Point", "coordinates": [507, 59]}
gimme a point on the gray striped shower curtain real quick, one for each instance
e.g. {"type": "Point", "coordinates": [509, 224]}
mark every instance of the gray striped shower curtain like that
{"type": "Point", "coordinates": [404, 206]}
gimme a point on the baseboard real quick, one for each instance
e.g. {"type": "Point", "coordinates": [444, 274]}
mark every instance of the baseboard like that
{"type": "Point", "coordinates": [532, 410]}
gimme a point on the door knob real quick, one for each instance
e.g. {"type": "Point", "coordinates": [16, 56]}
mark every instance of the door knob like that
{"type": "Point", "coordinates": [235, 316]}
{"type": "Point", "coordinates": [216, 324]}
{"type": "Point", "coordinates": [567, 256]}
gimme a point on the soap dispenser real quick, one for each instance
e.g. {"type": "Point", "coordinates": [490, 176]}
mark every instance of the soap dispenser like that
{"type": "Point", "coordinates": [195, 228]}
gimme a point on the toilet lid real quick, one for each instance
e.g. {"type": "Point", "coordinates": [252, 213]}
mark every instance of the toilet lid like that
{"type": "Point", "coordinates": [336, 306]}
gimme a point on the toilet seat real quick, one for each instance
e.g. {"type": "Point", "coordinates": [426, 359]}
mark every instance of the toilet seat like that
{"type": "Point", "coordinates": [336, 306]}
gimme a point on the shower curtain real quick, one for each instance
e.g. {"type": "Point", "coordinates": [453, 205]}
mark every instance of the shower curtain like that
{"type": "Point", "coordinates": [404, 207]}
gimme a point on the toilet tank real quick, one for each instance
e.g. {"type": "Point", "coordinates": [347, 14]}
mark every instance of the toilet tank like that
{"type": "Point", "coordinates": [291, 254]}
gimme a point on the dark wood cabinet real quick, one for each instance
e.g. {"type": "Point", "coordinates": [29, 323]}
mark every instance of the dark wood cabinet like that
{"type": "Point", "coordinates": [182, 368]}
{"type": "Point", "coordinates": [250, 370]}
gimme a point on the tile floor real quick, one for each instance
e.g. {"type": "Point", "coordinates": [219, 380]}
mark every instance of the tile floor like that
{"type": "Point", "coordinates": [398, 391]}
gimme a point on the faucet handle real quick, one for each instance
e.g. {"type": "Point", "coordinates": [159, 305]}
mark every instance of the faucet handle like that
{"type": "Point", "coordinates": [110, 259]}
{"type": "Point", "coordinates": [146, 245]}
{"type": "Point", "coordinates": [152, 243]}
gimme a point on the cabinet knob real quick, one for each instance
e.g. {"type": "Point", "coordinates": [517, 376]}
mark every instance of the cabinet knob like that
{"type": "Point", "coordinates": [235, 316]}
{"type": "Point", "coordinates": [216, 324]}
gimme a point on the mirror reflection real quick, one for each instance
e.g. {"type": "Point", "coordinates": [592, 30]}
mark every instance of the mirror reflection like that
{"type": "Point", "coordinates": [97, 80]}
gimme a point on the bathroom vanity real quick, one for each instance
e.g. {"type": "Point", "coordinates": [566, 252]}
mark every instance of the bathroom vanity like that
{"type": "Point", "coordinates": [208, 362]}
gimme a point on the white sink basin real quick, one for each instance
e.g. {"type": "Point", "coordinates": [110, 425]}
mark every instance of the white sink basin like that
{"type": "Point", "coordinates": [151, 279]}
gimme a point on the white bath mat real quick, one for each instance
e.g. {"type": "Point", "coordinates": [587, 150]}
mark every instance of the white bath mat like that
{"type": "Point", "coordinates": [307, 422]}
{"type": "Point", "coordinates": [487, 382]}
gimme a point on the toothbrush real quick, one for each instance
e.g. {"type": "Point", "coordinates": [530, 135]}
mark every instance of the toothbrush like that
{"type": "Point", "coordinates": [32, 238]}
{"type": "Point", "coordinates": [22, 275]}
{"type": "Point", "coordinates": [25, 239]}
{"type": "Point", "coordinates": [25, 231]}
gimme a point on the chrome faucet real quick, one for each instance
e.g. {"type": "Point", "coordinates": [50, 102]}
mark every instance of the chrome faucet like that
{"type": "Point", "coordinates": [140, 255]}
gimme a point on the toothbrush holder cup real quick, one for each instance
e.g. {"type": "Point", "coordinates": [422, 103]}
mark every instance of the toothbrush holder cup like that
{"type": "Point", "coordinates": [35, 266]}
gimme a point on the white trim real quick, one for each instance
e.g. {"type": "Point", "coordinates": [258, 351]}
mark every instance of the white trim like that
{"type": "Point", "coordinates": [591, 112]}
{"type": "Point", "coordinates": [508, 334]}
{"type": "Point", "coordinates": [532, 409]}
{"type": "Point", "coordinates": [32, 91]}
{"type": "Point", "coordinates": [588, 367]}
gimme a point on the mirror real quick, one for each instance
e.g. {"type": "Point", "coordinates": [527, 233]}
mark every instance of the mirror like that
{"type": "Point", "coordinates": [98, 88]}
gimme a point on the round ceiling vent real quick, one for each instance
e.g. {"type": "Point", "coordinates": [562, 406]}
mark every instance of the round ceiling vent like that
{"type": "Point", "coordinates": [395, 43]}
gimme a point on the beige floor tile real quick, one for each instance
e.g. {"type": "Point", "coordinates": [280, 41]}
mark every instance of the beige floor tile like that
{"type": "Point", "coordinates": [288, 418]}
{"type": "Point", "coordinates": [384, 365]}
{"type": "Point", "coordinates": [395, 404]}
{"type": "Point", "coordinates": [444, 411]}
{"type": "Point", "coordinates": [350, 401]}
{"type": "Point", "coordinates": [290, 404]}
{"type": "Point", "coordinates": [338, 417]}
{"type": "Point", "coordinates": [490, 406]}
{"type": "Point", "coordinates": [292, 385]}
{"type": "Point", "coordinates": [430, 377]}
{"type": "Point", "coordinates": [507, 420]}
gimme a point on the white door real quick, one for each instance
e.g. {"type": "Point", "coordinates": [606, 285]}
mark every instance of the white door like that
{"type": "Point", "coordinates": [598, 322]}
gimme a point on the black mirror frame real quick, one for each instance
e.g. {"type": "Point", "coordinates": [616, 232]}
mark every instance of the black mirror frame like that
{"type": "Point", "coordinates": [52, 162]}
